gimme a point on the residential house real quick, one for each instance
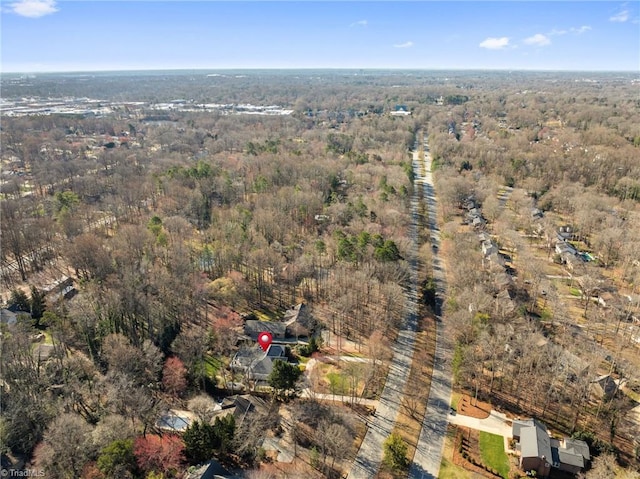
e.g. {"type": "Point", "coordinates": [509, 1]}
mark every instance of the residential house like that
{"type": "Point", "coordinates": [484, 236]}
{"type": "Point", "coordinates": [253, 328]}
{"type": "Point", "coordinates": [570, 455]}
{"type": "Point", "coordinates": [8, 317]}
{"type": "Point", "coordinates": [568, 254]}
{"type": "Point", "coordinates": [240, 406]}
{"type": "Point", "coordinates": [298, 321]}
{"type": "Point", "coordinates": [258, 364]}
{"type": "Point", "coordinates": [562, 247]}
{"type": "Point", "coordinates": [478, 222]}
{"type": "Point", "coordinates": [606, 386]}
{"type": "Point", "coordinates": [565, 232]}
{"type": "Point", "coordinates": [504, 303]}
{"type": "Point", "coordinates": [536, 213]}
{"type": "Point", "coordinates": [401, 110]}
{"type": "Point", "coordinates": [489, 248]}
{"type": "Point", "coordinates": [211, 470]}
{"type": "Point", "coordinates": [540, 452]}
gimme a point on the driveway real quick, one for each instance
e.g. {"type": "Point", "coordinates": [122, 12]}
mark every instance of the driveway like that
{"type": "Point", "coordinates": [496, 423]}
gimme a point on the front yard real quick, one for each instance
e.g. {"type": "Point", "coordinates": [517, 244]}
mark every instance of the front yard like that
{"type": "Point", "coordinates": [493, 454]}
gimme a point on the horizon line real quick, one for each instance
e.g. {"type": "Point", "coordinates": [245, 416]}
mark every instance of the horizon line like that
{"type": "Point", "coordinates": [214, 69]}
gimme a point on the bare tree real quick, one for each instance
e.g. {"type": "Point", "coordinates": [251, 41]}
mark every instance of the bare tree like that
{"type": "Point", "coordinates": [66, 447]}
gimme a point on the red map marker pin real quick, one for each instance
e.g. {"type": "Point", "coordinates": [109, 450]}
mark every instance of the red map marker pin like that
{"type": "Point", "coordinates": [264, 339]}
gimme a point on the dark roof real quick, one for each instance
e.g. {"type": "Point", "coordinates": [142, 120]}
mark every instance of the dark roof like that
{"type": "Point", "coordinates": [262, 369]}
{"type": "Point", "coordinates": [296, 313]}
{"type": "Point", "coordinates": [608, 385]}
{"type": "Point", "coordinates": [242, 403]}
{"type": "Point", "coordinates": [276, 351]}
{"type": "Point", "coordinates": [8, 317]}
{"type": "Point", "coordinates": [212, 470]}
{"type": "Point", "coordinates": [244, 358]}
{"type": "Point", "coordinates": [253, 328]}
{"type": "Point", "coordinates": [570, 458]}
{"type": "Point", "coordinates": [535, 442]}
{"type": "Point", "coordinates": [258, 363]}
{"type": "Point", "coordinates": [579, 447]}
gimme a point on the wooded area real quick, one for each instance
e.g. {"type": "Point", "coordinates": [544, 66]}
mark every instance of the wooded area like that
{"type": "Point", "coordinates": [138, 242]}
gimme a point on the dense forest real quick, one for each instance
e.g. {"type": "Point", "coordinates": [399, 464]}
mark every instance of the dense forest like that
{"type": "Point", "coordinates": [137, 244]}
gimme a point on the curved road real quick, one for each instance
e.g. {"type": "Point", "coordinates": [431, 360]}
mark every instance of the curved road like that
{"type": "Point", "coordinates": [428, 456]}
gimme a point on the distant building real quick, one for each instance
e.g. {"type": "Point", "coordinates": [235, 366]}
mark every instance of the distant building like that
{"type": "Point", "coordinates": [401, 110]}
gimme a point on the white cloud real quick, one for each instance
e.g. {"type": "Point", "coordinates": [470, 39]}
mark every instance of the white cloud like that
{"type": "Point", "coordinates": [620, 17]}
{"type": "Point", "coordinates": [359, 23]}
{"type": "Point", "coordinates": [582, 29]}
{"type": "Point", "coordinates": [495, 43]}
{"type": "Point", "coordinates": [575, 30]}
{"type": "Point", "coordinates": [404, 45]}
{"type": "Point", "coordinates": [34, 8]}
{"type": "Point", "coordinates": [538, 39]}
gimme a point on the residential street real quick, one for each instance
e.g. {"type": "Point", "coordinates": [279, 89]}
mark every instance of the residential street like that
{"type": "Point", "coordinates": [370, 454]}
{"type": "Point", "coordinates": [428, 456]}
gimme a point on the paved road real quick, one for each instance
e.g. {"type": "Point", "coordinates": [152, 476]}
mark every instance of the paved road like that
{"type": "Point", "coordinates": [369, 457]}
{"type": "Point", "coordinates": [428, 456]}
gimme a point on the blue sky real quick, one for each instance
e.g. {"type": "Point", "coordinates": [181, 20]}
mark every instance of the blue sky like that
{"type": "Point", "coordinates": [45, 35]}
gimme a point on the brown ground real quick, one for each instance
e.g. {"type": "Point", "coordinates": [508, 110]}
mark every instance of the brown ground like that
{"type": "Point", "coordinates": [474, 408]}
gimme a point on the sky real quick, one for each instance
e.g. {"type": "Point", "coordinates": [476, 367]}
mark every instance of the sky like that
{"type": "Point", "coordinates": [52, 36]}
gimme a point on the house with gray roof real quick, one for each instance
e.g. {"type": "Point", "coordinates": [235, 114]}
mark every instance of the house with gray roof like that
{"type": "Point", "coordinates": [540, 452]}
{"type": "Point", "coordinates": [257, 364]}
{"type": "Point", "coordinates": [253, 327]}
{"type": "Point", "coordinates": [8, 317]}
{"type": "Point", "coordinates": [298, 321]}
{"type": "Point", "coordinates": [489, 248]}
{"type": "Point", "coordinates": [240, 406]}
{"type": "Point", "coordinates": [606, 386]}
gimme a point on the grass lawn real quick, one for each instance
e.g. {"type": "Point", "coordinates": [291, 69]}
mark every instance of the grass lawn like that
{"type": "Point", "coordinates": [338, 383]}
{"type": "Point", "coordinates": [212, 365]}
{"type": "Point", "coordinates": [449, 470]}
{"type": "Point", "coordinates": [455, 398]}
{"type": "Point", "coordinates": [265, 314]}
{"type": "Point", "coordinates": [632, 394]}
{"type": "Point", "coordinates": [493, 454]}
